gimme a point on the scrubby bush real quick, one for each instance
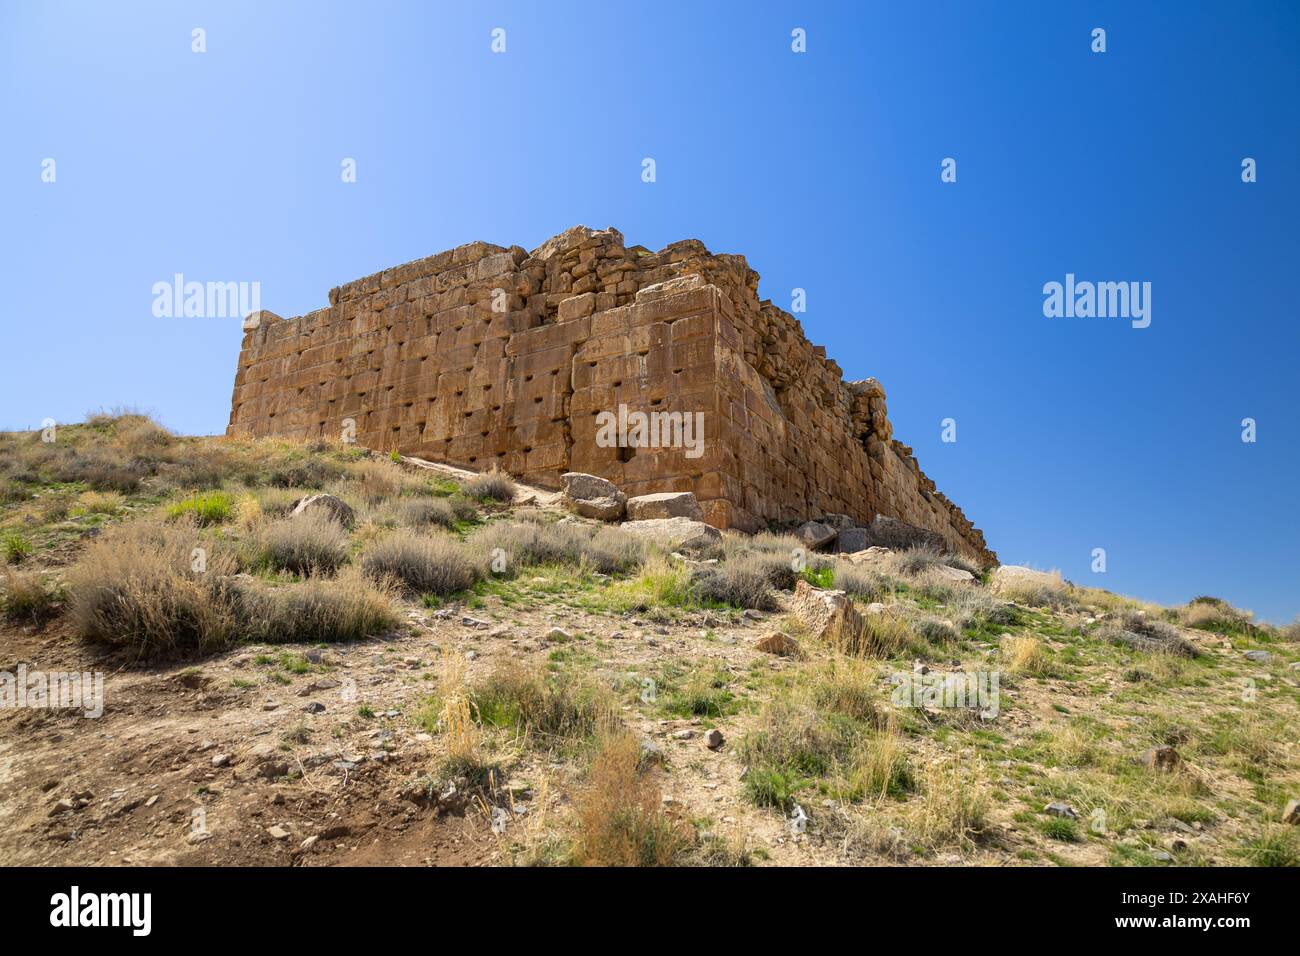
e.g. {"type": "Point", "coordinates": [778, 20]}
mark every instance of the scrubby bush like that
{"type": "Point", "coordinates": [865, 583]}
{"type": "Point", "coordinates": [620, 813]}
{"type": "Point", "coordinates": [492, 486]}
{"type": "Point", "coordinates": [1136, 630]}
{"type": "Point", "coordinates": [1025, 654]}
{"type": "Point", "coordinates": [100, 503]}
{"type": "Point", "coordinates": [141, 586]}
{"type": "Point", "coordinates": [138, 586]}
{"type": "Point", "coordinates": [27, 596]}
{"type": "Point", "coordinates": [973, 608]}
{"type": "Point", "coordinates": [935, 630]}
{"type": "Point", "coordinates": [424, 564]}
{"type": "Point", "coordinates": [547, 707]}
{"type": "Point", "coordinates": [308, 472]}
{"type": "Point", "coordinates": [793, 747]}
{"type": "Point", "coordinates": [17, 549]}
{"type": "Point", "coordinates": [423, 512]}
{"type": "Point", "coordinates": [742, 582]}
{"type": "Point", "coordinates": [528, 543]}
{"type": "Point", "coordinates": [311, 543]}
{"type": "Point", "coordinates": [913, 561]}
{"type": "Point", "coordinates": [346, 608]}
{"type": "Point", "coordinates": [1213, 614]}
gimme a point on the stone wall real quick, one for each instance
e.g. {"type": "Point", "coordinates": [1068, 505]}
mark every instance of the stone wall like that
{"type": "Point", "coordinates": [488, 357]}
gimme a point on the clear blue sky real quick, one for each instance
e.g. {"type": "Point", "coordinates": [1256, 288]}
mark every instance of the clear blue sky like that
{"type": "Point", "coordinates": [822, 168]}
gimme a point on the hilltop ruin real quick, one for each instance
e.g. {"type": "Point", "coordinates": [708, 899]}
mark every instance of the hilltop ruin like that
{"type": "Point", "coordinates": [498, 358]}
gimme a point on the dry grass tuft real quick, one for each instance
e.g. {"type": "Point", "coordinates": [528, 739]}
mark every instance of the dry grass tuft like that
{"type": "Point", "coordinates": [954, 804]}
{"type": "Point", "coordinates": [27, 596]}
{"type": "Point", "coordinates": [139, 586]}
{"type": "Point", "coordinates": [492, 486]}
{"type": "Point", "coordinates": [1025, 654]}
{"type": "Point", "coordinates": [743, 581]}
{"type": "Point", "coordinates": [424, 564]}
{"type": "Point", "coordinates": [546, 707]}
{"type": "Point", "coordinates": [311, 543]}
{"type": "Point", "coordinates": [1134, 629]}
{"type": "Point", "coordinates": [620, 813]}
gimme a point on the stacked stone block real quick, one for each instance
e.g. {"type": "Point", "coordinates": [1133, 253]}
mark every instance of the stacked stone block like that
{"type": "Point", "coordinates": [496, 358]}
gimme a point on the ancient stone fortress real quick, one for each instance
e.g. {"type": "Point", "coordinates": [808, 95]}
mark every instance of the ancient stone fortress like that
{"type": "Point", "coordinates": [588, 355]}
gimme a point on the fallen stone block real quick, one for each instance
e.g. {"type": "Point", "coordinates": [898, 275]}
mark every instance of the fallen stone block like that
{"type": "Point", "coordinates": [668, 504]}
{"type": "Point", "coordinates": [850, 540]}
{"type": "Point", "coordinates": [949, 573]}
{"type": "Point", "coordinates": [834, 617]}
{"type": "Point", "coordinates": [814, 534]}
{"type": "Point", "coordinates": [676, 534]}
{"type": "Point", "coordinates": [890, 532]}
{"type": "Point", "coordinates": [782, 645]}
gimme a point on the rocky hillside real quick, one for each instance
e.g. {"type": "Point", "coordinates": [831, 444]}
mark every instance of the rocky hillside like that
{"type": "Point", "coordinates": [314, 655]}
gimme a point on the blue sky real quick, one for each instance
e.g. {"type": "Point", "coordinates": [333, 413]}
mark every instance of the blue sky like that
{"type": "Point", "coordinates": [823, 168]}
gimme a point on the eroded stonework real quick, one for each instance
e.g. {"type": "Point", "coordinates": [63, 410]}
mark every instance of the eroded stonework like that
{"type": "Point", "coordinates": [488, 357]}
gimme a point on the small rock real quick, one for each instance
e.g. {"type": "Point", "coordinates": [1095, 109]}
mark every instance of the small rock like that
{"type": "Point", "coordinates": [221, 760]}
{"type": "Point", "coordinates": [277, 832]}
{"type": "Point", "coordinates": [714, 739]}
{"type": "Point", "coordinates": [315, 707]}
{"type": "Point", "coordinates": [782, 645]}
{"type": "Point", "coordinates": [62, 806]}
{"type": "Point", "coordinates": [1292, 813]}
{"type": "Point", "coordinates": [1259, 657]}
{"type": "Point", "coordinates": [1163, 758]}
{"type": "Point", "coordinates": [329, 505]}
{"type": "Point", "coordinates": [558, 634]}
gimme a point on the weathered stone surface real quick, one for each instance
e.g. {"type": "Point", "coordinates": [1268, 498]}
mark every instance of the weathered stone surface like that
{"type": "Point", "coordinates": [838, 522]}
{"type": "Point", "coordinates": [952, 574]}
{"type": "Point", "coordinates": [830, 616]}
{"type": "Point", "coordinates": [666, 504]}
{"type": "Point", "coordinates": [851, 540]}
{"type": "Point", "coordinates": [815, 534]}
{"type": "Point", "coordinates": [676, 534]}
{"type": "Point", "coordinates": [871, 556]}
{"type": "Point", "coordinates": [335, 508]}
{"type": "Point", "coordinates": [602, 509]}
{"type": "Point", "coordinates": [593, 497]}
{"type": "Point", "coordinates": [1014, 574]}
{"type": "Point", "coordinates": [490, 357]}
{"type": "Point", "coordinates": [887, 532]}
{"type": "Point", "coordinates": [585, 487]}
{"type": "Point", "coordinates": [1291, 812]}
